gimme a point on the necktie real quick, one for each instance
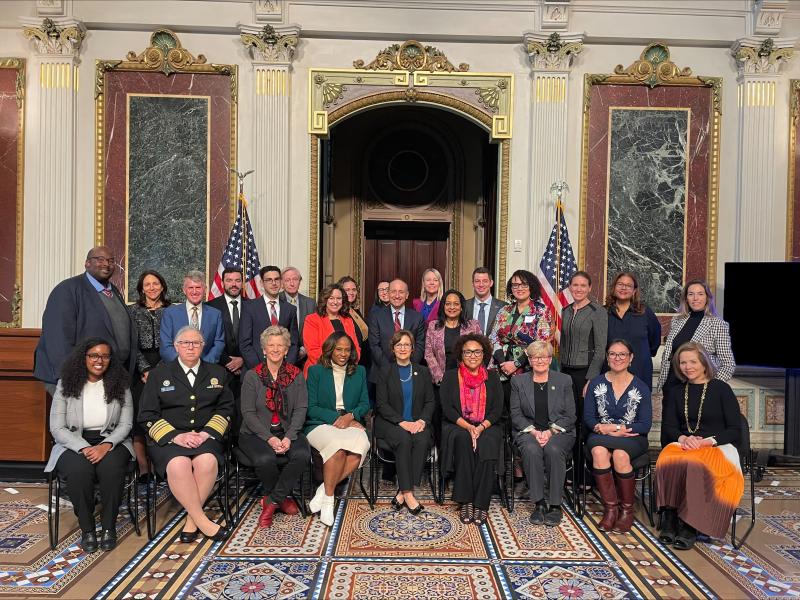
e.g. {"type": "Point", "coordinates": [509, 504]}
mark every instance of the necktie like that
{"type": "Point", "coordinates": [195, 318]}
{"type": "Point", "coordinates": [108, 293]}
{"type": "Point", "coordinates": [482, 316]}
{"type": "Point", "coordinates": [397, 326]}
{"type": "Point", "coordinates": [190, 375]}
{"type": "Point", "coordinates": [273, 316]}
{"type": "Point", "coordinates": [235, 319]}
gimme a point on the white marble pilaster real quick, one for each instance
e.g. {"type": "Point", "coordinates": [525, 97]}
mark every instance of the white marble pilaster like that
{"type": "Point", "coordinates": [272, 50]}
{"type": "Point", "coordinates": [759, 206]}
{"type": "Point", "coordinates": [551, 58]}
{"type": "Point", "coordinates": [50, 207]}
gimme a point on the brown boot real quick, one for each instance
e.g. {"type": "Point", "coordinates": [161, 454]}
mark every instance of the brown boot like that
{"type": "Point", "coordinates": [604, 482]}
{"type": "Point", "coordinates": [626, 490]}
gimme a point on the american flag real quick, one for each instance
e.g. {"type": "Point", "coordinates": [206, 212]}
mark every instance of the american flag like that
{"type": "Point", "coordinates": [237, 251]}
{"type": "Point", "coordinates": [558, 260]}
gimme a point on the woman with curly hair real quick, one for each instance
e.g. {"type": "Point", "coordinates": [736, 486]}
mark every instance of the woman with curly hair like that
{"type": "Point", "coordinates": [90, 419]}
{"type": "Point", "coordinates": [618, 413]}
{"type": "Point", "coordinates": [332, 315]}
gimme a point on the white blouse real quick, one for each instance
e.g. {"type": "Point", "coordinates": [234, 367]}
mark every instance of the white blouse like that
{"type": "Point", "coordinates": [339, 374]}
{"type": "Point", "coordinates": [95, 409]}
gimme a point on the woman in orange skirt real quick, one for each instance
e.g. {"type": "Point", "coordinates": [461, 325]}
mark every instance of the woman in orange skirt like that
{"type": "Point", "coordinates": [698, 474]}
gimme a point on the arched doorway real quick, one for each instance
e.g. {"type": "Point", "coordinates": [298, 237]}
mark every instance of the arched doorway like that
{"type": "Point", "coordinates": [405, 188]}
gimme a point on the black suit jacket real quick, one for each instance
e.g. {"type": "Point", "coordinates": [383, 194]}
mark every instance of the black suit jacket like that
{"type": "Point", "coordinates": [389, 394]}
{"type": "Point", "coordinates": [494, 308]}
{"type": "Point", "coordinates": [381, 330]}
{"type": "Point", "coordinates": [74, 312]}
{"type": "Point", "coordinates": [231, 336]}
{"type": "Point", "coordinates": [252, 323]}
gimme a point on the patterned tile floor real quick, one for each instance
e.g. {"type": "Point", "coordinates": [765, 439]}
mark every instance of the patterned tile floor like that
{"type": "Point", "coordinates": [382, 554]}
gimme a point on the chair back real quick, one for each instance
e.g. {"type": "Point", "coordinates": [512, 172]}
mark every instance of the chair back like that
{"type": "Point", "coordinates": [743, 446]}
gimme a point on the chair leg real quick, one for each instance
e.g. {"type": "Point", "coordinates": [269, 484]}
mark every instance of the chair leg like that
{"type": "Point", "coordinates": [150, 504]}
{"type": "Point", "coordinates": [52, 516]}
{"type": "Point", "coordinates": [133, 507]}
{"type": "Point", "coordinates": [370, 501]}
{"type": "Point", "coordinates": [373, 478]}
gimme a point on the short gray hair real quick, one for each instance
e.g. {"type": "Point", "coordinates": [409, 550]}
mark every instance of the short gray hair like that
{"type": "Point", "coordinates": [276, 331]}
{"type": "Point", "coordinates": [195, 276]}
{"type": "Point", "coordinates": [539, 348]}
{"type": "Point", "coordinates": [295, 269]}
{"type": "Point", "coordinates": [185, 329]}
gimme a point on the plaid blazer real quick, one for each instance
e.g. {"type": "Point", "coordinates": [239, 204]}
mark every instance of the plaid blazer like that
{"type": "Point", "coordinates": [713, 334]}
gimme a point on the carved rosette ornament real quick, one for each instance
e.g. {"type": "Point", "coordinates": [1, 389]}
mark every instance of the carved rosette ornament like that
{"type": "Point", "coordinates": [761, 57]}
{"type": "Point", "coordinates": [654, 67]}
{"type": "Point", "coordinates": [552, 54]}
{"type": "Point", "coordinates": [56, 37]}
{"type": "Point", "coordinates": [165, 54]}
{"type": "Point", "coordinates": [269, 45]}
{"type": "Point", "coordinates": [411, 56]}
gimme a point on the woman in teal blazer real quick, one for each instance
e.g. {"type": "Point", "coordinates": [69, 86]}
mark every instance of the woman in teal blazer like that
{"type": "Point", "coordinates": [337, 405]}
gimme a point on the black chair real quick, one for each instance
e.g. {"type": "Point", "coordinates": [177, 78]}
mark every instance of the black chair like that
{"type": "Point", "coordinates": [221, 487]}
{"type": "Point", "coordinates": [643, 472]}
{"type": "Point", "coordinates": [755, 472]}
{"type": "Point", "coordinates": [241, 461]}
{"type": "Point", "coordinates": [379, 454]}
{"type": "Point", "coordinates": [54, 483]}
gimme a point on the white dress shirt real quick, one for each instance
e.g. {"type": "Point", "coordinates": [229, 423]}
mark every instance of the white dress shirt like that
{"type": "Point", "coordinates": [402, 315]}
{"type": "Point", "coordinates": [95, 409]}
{"type": "Point", "coordinates": [189, 307]}
{"type": "Point", "coordinates": [476, 308]}
{"type": "Point", "coordinates": [190, 376]}
{"type": "Point", "coordinates": [277, 302]}
{"type": "Point", "coordinates": [238, 301]}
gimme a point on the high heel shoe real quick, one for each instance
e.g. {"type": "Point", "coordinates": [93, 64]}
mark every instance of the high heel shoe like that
{"type": "Point", "coordinates": [187, 537]}
{"type": "Point", "coordinates": [397, 506]}
{"type": "Point", "coordinates": [223, 533]}
{"type": "Point", "coordinates": [417, 510]}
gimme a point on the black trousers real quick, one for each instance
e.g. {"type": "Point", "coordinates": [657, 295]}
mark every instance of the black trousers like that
{"type": "Point", "coordinates": [578, 376]}
{"type": "Point", "coordinates": [81, 476]}
{"type": "Point", "coordinates": [278, 473]}
{"type": "Point", "coordinates": [410, 451]}
{"type": "Point", "coordinates": [473, 479]}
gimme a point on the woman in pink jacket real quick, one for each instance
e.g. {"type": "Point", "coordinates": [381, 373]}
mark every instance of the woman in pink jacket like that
{"type": "Point", "coordinates": [451, 324]}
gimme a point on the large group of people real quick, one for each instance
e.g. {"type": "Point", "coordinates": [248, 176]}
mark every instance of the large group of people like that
{"type": "Point", "coordinates": [284, 378]}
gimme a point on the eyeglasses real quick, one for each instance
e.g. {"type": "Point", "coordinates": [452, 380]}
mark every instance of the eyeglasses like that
{"type": "Point", "coordinates": [543, 358]}
{"type": "Point", "coordinates": [271, 279]}
{"type": "Point", "coordinates": [472, 353]}
{"type": "Point", "coordinates": [403, 346]}
{"type": "Point", "coordinates": [617, 355]}
{"type": "Point", "coordinates": [383, 289]}
{"type": "Point", "coordinates": [188, 344]}
{"type": "Point", "coordinates": [519, 286]}
{"type": "Point", "coordinates": [98, 357]}
{"type": "Point", "coordinates": [102, 260]}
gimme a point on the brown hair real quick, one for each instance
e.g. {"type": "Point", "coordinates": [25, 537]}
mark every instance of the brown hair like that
{"type": "Point", "coordinates": [326, 293]}
{"type": "Point", "coordinates": [327, 352]}
{"type": "Point", "coordinates": [637, 306]}
{"type": "Point", "coordinates": [702, 355]}
{"type": "Point", "coordinates": [710, 309]}
{"type": "Point", "coordinates": [458, 347]}
{"type": "Point", "coordinates": [399, 335]}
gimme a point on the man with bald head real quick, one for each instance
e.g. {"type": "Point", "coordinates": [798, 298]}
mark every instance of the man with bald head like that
{"type": "Point", "coordinates": [87, 305]}
{"type": "Point", "coordinates": [385, 321]}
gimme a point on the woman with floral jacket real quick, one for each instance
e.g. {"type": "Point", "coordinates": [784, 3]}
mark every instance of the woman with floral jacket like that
{"type": "Point", "coordinates": [618, 413]}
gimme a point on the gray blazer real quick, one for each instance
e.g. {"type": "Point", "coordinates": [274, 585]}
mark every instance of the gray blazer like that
{"type": "Point", "coordinates": [256, 417]}
{"type": "Point", "coordinates": [305, 306]}
{"type": "Point", "coordinates": [560, 401]}
{"type": "Point", "coordinates": [66, 425]}
{"type": "Point", "coordinates": [494, 308]}
{"type": "Point", "coordinates": [584, 337]}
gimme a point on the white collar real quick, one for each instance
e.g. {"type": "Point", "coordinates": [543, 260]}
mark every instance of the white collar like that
{"type": "Point", "coordinates": [230, 299]}
{"type": "Point", "coordinates": [195, 368]}
{"type": "Point", "coordinates": [189, 306]}
{"type": "Point", "coordinates": [487, 301]}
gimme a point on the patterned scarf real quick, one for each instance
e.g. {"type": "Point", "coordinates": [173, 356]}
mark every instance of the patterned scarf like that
{"type": "Point", "coordinates": [274, 396]}
{"type": "Point", "coordinates": [473, 393]}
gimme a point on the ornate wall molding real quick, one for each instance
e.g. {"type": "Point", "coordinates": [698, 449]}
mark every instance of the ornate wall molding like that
{"type": "Point", "coordinates": [266, 11]}
{"type": "Point", "coordinates": [55, 37]}
{"type": "Point", "coordinates": [555, 15]}
{"type": "Point", "coordinates": [411, 56]}
{"type": "Point", "coordinates": [554, 52]}
{"type": "Point", "coordinates": [762, 56]}
{"type": "Point", "coordinates": [268, 44]}
{"type": "Point", "coordinates": [768, 16]}
{"type": "Point", "coordinates": [653, 68]}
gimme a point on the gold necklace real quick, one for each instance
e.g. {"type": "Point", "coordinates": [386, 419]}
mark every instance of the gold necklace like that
{"type": "Point", "coordinates": [699, 410]}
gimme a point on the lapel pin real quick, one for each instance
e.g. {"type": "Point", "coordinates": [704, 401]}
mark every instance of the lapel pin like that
{"type": "Point", "coordinates": [166, 382]}
{"type": "Point", "coordinates": [214, 381]}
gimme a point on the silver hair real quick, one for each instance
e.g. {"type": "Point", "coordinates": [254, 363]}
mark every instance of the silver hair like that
{"type": "Point", "coordinates": [276, 331]}
{"type": "Point", "coordinates": [198, 276]}
{"type": "Point", "coordinates": [186, 328]}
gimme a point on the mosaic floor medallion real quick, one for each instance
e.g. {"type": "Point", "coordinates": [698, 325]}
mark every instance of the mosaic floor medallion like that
{"type": "Point", "coordinates": [384, 532]}
{"type": "Point", "coordinates": [251, 580]}
{"type": "Point", "coordinates": [584, 582]}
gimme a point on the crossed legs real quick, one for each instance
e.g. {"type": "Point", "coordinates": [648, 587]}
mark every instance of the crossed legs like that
{"type": "Point", "coordinates": [191, 480]}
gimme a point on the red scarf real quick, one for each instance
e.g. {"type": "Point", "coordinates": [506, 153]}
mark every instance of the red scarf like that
{"type": "Point", "coordinates": [473, 393]}
{"type": "Point", "coordinates": [274, 395]}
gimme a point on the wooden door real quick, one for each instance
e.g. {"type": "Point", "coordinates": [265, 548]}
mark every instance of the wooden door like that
{"type": "Point", "coordinates": [391, 258]}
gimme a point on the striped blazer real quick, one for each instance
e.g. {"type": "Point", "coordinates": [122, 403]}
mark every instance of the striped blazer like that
{"type": "Point", "coordinates": [713, 334]}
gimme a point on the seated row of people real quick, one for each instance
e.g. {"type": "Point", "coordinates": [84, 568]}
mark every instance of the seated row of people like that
{"type": "Point", "coordinates": [187, 408]}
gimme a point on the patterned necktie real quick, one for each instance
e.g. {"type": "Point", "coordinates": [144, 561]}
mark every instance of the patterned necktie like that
{"type": "Point", "coordinates": [107, 293]}
{"type": "Point", "coordinates": [273, 316]}
{"type": "Point", "coordinates": [482, 316]}
{"type": "Point", "coordinates": [397, 326]}
{"type": "Point", "coordinates": [195, 318]}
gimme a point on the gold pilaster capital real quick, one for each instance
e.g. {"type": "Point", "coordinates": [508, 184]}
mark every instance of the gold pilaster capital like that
{"type": "Point", "coordinates": [553, 52]}
{"type": "Point", "coordinates": [57, 36]}
{"type": "Point", "coordinates": [270, 45]}
{"type": "Point", "coordinates": [762, 55]}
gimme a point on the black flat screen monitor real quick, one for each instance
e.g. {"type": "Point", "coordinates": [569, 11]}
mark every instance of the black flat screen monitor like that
{"type": "Point", "coordinates": [763, 313]}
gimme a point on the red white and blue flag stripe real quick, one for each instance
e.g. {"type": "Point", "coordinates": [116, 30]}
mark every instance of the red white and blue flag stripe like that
{"type": "Point", "coordinates": [240, 250]}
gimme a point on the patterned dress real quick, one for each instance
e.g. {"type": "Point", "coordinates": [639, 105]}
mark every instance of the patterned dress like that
{"type": "Point", "coordinates": [514, 331]}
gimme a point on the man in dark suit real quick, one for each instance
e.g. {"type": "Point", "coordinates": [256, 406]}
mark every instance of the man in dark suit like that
{"type": "Point", "coordinates": [383, 322]}
{"type": "Point", "coordinates": [259, 314]}
{"type": "Point", "coordinates": [230, 305]}
{"type": "Point", "coordinates": [482, 307]}
{"type": "Point", "coordinates": [291, 279]}
{"type": "Point", "coordinates": [83, 306]}
{"type": "Point", "coordinates": [206, 319]}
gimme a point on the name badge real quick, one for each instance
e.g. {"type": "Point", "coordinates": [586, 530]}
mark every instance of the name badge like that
{"type": "Point", "coordinates": [529, 319]}
{"type": "Point", "coordinates": [169, 388]}
{"type": "Point", "coordinates": [214, 387]}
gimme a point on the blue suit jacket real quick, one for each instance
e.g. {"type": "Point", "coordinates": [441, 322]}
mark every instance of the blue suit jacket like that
{"type": "Point", "coordinates": [174, 317]}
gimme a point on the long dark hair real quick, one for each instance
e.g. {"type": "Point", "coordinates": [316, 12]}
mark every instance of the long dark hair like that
{"type": "Point", "coordinates": [327, 352]}
{"type": "Point", "coordinates": [142, 301]}
{"type": "Point", "coordinates": [637, 306]}
{"type": "Point", "coordinates": [74, 373]}
{"type": "Point", "coordinates": [326, 293]}
{"type": "Point", "coordinates": [462, 316]}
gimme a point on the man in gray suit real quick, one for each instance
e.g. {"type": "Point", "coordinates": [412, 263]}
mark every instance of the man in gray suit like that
{"type": "Point", "coordinates": [482, 307]}
{"type": "Point", "coordinates": [543, 424]}
{"type": "Point", "coordinates": [291, 280]}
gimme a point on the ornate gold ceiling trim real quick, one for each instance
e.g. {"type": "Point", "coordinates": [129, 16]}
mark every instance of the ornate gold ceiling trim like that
{"type": "Point", "coordinates": [411, 56]}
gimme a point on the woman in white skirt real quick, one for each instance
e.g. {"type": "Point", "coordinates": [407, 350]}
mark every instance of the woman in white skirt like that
{"type": "Point", "coordinates": [337, 405]}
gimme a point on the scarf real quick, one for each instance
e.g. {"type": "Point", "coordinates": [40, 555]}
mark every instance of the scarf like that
{"type": "Point", "coordinates": [359, 322]}
{"type": "Point", "coordinates": [275, 387]}
{"type": "Point", "coordinates": [473, 393]}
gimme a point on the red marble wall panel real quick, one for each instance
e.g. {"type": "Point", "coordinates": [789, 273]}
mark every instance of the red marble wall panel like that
{"type": "Point", "coordinates": [10, 181]}
{"type": "Point", "coordinates": [117, 85]}
{"type": "Point", "coordinates": [603, 98]}
{"type": "Point", "coordinates": [793, 231]}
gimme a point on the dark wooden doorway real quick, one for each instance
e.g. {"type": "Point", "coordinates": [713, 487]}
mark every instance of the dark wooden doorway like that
{"type": "Point", "coordinates": [403, 250]}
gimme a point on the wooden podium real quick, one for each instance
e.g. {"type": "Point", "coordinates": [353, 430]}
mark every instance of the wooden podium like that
{"type": "Point", "coordinates": [24, 404]}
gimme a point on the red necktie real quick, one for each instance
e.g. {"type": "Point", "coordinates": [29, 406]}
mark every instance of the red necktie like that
{"type": "Point", "coordinates": [397, 326]}
{"type": "Point", "coordinates": [273, 317]}
{"type": "Point", "coordinates": [108, 293]}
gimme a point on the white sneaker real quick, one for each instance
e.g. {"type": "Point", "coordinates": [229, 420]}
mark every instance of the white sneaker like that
{"type": "Point", "coordinates": [316, 502]}
{"type": "Point", "coordinates": [326, 514]}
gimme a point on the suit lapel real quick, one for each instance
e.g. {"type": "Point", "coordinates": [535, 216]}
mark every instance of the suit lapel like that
{"type": "Point", "coordinates": [180, 376]}
{"type": "Point", "coordinates": [202, 375]}
{"type": "Point", "coordinates": [98, 303]}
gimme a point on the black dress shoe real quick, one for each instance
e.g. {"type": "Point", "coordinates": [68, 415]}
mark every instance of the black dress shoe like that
{"type": "Point", "coordinates": [89, 542]}
{"type": "Point", "coordinates": [108, 541]}
{"type": "Point", "coordinates": [553, 516]}
{"type": "Point", "coordinates": [223, 533]}
{"type": "Point", "coordinates": [187, 537]}
{"type": "Point", "coordinates": [537, 516]}
{"type": "Point", "coordinates": [415, 511]}
{"type": "Point", "coordinates": [144, 478]}
{"type": "Point", "coordinates": [397, 506]}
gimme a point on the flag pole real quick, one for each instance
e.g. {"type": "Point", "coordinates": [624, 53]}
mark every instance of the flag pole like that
{"type": "Point", "coordinates": [242, 204]}
{"type": "Point", "coordinates": [558, 189]}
